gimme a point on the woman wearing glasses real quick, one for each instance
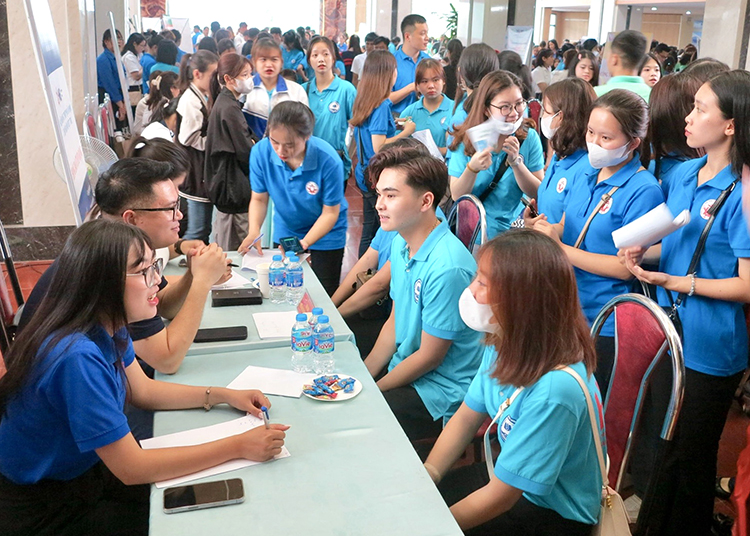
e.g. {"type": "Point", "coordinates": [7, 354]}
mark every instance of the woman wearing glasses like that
{"type": "Point", "coordinates": [68, 461]}
{"type": "Point", "coordinates": [508, 168]}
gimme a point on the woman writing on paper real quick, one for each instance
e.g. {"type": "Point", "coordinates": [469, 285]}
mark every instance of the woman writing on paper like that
{"type": "Point", "coordinates": [69, 464]}
{"type": "Point", "coordinates": [547, 478]}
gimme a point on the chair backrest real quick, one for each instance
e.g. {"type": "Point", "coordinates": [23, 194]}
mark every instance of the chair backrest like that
{"type": "Point", "coordinates": [103, 123]}
{"type": "Point", "coordinates": [90, 129]}
{"type": "Point", "coordinates": [535, 110]}
{"type": "Point", "coordinates": [643, 336]}
{"type": "Point", "coordinates": [468, 221]}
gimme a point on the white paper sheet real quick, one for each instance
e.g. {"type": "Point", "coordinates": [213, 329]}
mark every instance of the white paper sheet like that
{"type": "Point", "coordinates": [251, 259]}
{"type": "Point", "coordinates": [236, 281]}
{"type": "Point", "coordinates": [272, 381]}
{"type": "Point", "coordinates": [275, 325]}
{"type": "Point", "coordinates": [199, 436]}
{"type": "Point", "coordinates": [426, 139]}
{"type": "Point", "coordinates": [650, 228]}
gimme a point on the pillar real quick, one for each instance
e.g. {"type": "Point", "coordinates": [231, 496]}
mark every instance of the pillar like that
{"type": "Point", "coordinates": [723, 26]}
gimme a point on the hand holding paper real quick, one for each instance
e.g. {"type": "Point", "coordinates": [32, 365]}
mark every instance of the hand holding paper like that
{"type": "Point", "coordinates": [650, 228]}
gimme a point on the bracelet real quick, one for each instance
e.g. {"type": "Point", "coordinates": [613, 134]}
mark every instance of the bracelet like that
{"type": "Point", "coordinates": [178, 246]}
{"type": "Point", "coordinates": [692, 285]}
{"type": "Point", "coordinates": [207, 406]}
{"type": "Point", "coordinates": [468, 166]}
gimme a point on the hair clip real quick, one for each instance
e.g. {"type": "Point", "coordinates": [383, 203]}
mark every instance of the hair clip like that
{"type": "Point", "coordinates": [139, 146]}
{"type": "Point", "coordinates": [157, 81]}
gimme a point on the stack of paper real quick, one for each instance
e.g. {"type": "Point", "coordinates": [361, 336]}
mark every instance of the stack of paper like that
{"type": "Point", "coordinates": [426, 139]}
{"type": "Point", "coordinates": [275, 325]}
{"type": "Point", "coordinates": [650, 228]}
{"type": "Point", "coordinates": [236, 281]}
{"type": "Point", "coordinates": [272, 381]}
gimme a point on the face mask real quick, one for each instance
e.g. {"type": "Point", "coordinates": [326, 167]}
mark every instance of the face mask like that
{"type": "Point", "coordinates": [546, 124]}
{"type": "Point", "coordinates": [600, 158]}
{"type": "Point", "coordinates": [244, 86]}
{"type": "Point", "coordinates": [475, 315]}
{"type": "Point", "coordinates": [504, 128]}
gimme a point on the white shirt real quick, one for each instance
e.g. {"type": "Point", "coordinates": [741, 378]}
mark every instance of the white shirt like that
{"type": "Point", "coordinates": [543, 75]}
{"type": "Point", "coordinates": [189, 108]}
{"type": "Point", "coordinates": [239, 42]}
{"type": "Point", "coordinates": [132, 65]}
{"type": "Point", "coordinates": [357, 63]}
{"type": "Point", "coordinates": [142, 116]}
{"type": "Point", "coordinates": [157, 130]}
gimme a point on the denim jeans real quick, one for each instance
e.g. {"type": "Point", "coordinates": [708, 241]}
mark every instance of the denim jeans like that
{"type": "Point", "coordinates": [370, 221]}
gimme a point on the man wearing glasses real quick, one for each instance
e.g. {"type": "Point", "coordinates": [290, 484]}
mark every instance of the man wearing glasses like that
{"type": "Point", "coordinates": [140, 192]}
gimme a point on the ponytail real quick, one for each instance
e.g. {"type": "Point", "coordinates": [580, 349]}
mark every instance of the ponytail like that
{"type": "Point", "coordinates": [201, 60]}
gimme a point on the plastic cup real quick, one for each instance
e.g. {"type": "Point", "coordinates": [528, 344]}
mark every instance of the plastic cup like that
{"type": "Point", "coordinates": [265, 287]}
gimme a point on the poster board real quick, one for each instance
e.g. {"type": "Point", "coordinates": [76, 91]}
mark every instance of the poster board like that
{"type": "Point", "coordinates": [519, 40]}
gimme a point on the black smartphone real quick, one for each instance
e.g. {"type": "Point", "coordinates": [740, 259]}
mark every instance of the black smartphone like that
{"type": "Point", "coordinates": [204, 495]}
{"type": "Point", "coordinates": [291, 243]}
{"type": "Point", "coordinates": [233, 333]}
{"type": "Point", "coordinates": [527, 203]}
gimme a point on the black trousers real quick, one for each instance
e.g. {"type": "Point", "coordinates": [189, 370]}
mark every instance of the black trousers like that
{"type": "Point", "coordinates": [327, 267]}
{"type": "Point", "coordinates": [370, 221]}
{"type": "Point", "coordinates": [95, 503]}
{"type": "Point", "coordinates": [524, 518]}
{"type": "Point", "coordinates": [412, 414]}
{"type": "Point", "coordinates": [605, 358]}
{"type": "Point", "coordinates": [686, 477]}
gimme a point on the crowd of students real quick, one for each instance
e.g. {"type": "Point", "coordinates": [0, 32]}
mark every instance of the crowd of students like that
{"type": "Point", "coordinates": [459, 337]}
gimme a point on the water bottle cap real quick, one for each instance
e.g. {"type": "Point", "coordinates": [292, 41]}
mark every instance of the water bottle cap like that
{"type": "Point", "coordinates": [294, 258]}
{"type": "Point", "coordinates": [289, 253]}
{"type": "Point", "coordinates": [277, 257]}
{"type": "Point", "coordinates": [323, 319]}
{"type": "Point", "coordinates": [301, 317]}
{"type": "Point", "coordinates": [317, 311]}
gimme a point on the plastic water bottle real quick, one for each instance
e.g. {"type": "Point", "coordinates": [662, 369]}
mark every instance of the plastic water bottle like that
{"type": "Point", "coordinates": [287, 256]}
{"type": "Point", "coordinates": [302, 343]}
{"type": "Point", "coordinates": [295, 287]}
{"type": "Point", "coordinates": [316, 312]}
{"type": "Point", "coordinates": [276, 280]}
{"type": "Point", "coordinates": [323, 346]}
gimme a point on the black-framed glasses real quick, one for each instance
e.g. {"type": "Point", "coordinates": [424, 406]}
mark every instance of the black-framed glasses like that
{"type": "Point", "coordinates": [174, 209]}
{"type": "Point", "coordinates": [152, 273]}
{"type": "Point", "coordinates": [505, 109]}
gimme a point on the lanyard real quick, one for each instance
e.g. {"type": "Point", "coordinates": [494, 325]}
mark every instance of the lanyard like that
{"type": "Point", "coordinates": [487, 448]}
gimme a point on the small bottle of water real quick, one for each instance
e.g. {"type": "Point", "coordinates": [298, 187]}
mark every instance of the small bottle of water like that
{"type": "Point", "coordinates": [276, 280]}
{"type": "Point", "coordinates": [295, 287]}
{"type": "Point", "coordinates": [323, 346]}
{"type": "Point", "coordinates": [287, 256]}
{"type": "Point", "coordinates": [302, 343]}
{"type": "Point", "coordinates": [316, 312]}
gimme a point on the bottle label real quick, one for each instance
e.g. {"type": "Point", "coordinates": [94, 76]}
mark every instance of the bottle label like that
{"type": "Point", "coordinates": [294, 279]}
{"type": "Point", "coordinates": [301, 341]}
{"type": "Point", "coordinates": [276, 278]}
{"type": "Point", "coordinates": [324, 343]}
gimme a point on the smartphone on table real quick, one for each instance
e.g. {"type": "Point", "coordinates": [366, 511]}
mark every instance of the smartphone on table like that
{"type": "Point", "coordinates": [204, 495]}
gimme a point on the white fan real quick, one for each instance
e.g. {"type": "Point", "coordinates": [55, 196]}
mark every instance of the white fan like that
{"type": "Point", "coordinates": [98, 156]}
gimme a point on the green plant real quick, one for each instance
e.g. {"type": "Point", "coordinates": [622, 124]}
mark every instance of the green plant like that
{"type": "Point", "coordinates": [451, 22]}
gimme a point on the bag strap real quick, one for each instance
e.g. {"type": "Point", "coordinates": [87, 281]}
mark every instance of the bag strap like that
{"type": "Point", "coordinates": [487, 448]}
{"type": "Point", "coordinates": [606, 197]}
{"type": "Point", "coordinates": [594, 425]}
{"type": "Point", "coordinates": [498, 175]}
{"type": "Point", "coordinates": [702, 243]}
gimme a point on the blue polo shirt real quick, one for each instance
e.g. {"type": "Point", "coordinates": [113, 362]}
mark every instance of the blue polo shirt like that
{"type": "Point", "coordinates": [147, 61]}
{"type": "Point", "coordinates": [333, 110]}
{"type": "Point", "coordinates": [299, 195]}
{"type": "Point", "coordinates": [437, 122]}
{"type": "Point", "coordinates": [106, 75]}
{"type": "Point", "coordinates": [425, 290]}
{"type": "Point", "coordinates": [638, 193]}
{"type": "Point", "coordinates": [502, 204]}
{"type": "Point", "coordinates": [71, 404]}
{"type": "Point", "coordinates": [292, 58]}
{"type": "Point", "coordinates": [406, 70]}
{"type": "Point", "coordinates": [380, 122]}
{"type": "Point", "coordinates": [667, 164]}
{"type": "Point", "coordinates": [548, 448]}
{"type": "Point", "coordinates": [164, 67]}
{"type": "Point", "coordinates": [556, 184]}
{"type": "Point", "coordinates": [715, 336]}
{"type": "Point", "coordinates": [381, 243]}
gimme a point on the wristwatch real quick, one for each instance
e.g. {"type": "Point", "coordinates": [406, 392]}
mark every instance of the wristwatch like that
{"type": "Point", "coordinates": [518, 160]}
{"type": "Point", "coordinates": [178, 247]}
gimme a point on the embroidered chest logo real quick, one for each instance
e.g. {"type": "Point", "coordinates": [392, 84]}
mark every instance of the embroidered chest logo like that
{"type": "Point", "coordinates": [506, 426]}
{"type": "Point", "coordinates": [561, 184]}
{"type": "Point", "coordinates": [417, 290]}
{"type": "Point", "coordinates": [706, 207]}
{"type": "Point", "coordinates": [442, 121]}
{"type": "Point", "coordinates": [334, 107]}
{"type": "Point", "coordinates": [606, 206]}
{"type": "Point", "coordinates": [312, 188]}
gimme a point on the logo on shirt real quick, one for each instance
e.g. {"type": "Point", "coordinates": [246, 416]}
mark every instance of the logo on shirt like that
{"type": "Point", "coordinates": [506, 426]}
{"type": "Point", "coordinates": [417, 290]}
{"type": "Point", "coordinates": [561, 184]}
{"type": "Point", "coordinates": [606, 206]}
{"type": "Point", "coordinates": [706, 207]}
{"type": "Point", "coordinates": [334, 107]}
{"type": "Point", "coordinates": [312, 188]}
{"type": "Point", "coordinates": [442, 121]}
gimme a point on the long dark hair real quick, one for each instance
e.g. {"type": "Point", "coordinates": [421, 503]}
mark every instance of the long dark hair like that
{"type": "Point", "coordinates": [573, 97]}
{"type": "Point", "coordinates": [230, 65]}
{"type": "Point", "coordinates": [510, 61]}
{"type": "Point", "coordinates": [201, 61]}
{"type": "Point", "coordinates": [89, 290]}
{"type": "Point", "coordinates": [584, 55]}
{"type": "Point", "coordinates": [291, 40]}
{"type": "Point", "coordinates": [161, 88]}
{"type": "Point", "coordinates": [476, 61]}
{"type": "Point", "coordinates": [732, 90]}
{"type": "Point", "coordinates": [354, 45]}
{"type": "Point", "coordinates": [134, 39]}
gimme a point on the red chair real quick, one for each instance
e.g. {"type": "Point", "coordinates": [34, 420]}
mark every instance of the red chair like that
{"type": "Point", "coordinates": [644, 335]}
{"type": "Point", "coordinates": [103, 123]}
{"type": "Point", "coordinates": [535, 111]}
{"type": "Point", "coordinates": [90, 129]}
{"type": "Point", "coordinates": [468, 221]}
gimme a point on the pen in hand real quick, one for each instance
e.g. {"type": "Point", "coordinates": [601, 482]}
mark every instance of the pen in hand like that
{"type": "Point", "coordinates": [264, 412]}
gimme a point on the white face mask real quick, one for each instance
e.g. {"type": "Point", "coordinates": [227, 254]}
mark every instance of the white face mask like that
{"type": "Point", "coordinates": [546, 124]}
{"type": "Point", "coordinates": [504, 128]}
{"type": "Point", "coordinates": [244, 86]}
{"type": "Point", "coordinates": [475, 315]}
{"type": "Point", "coordinates": [601, 158]}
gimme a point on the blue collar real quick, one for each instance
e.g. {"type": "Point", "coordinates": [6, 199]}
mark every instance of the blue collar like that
{"type": "Point", "coordinates": [401, 54]}
{"type": "Point", "coordinates": [625, 173]}
{"type": "Point", "coordinates": [569, 161]}
{"type": "Point", "coordinates": [280, 83]}
{"type": "Point", "coordinates": [113, 346]}
{"type": "Point", "coordinates": [444, 105]}
{"type": "Point", "coordinates": [427, 246]}
{"type": "Point", "coordinates": [721, 181]}
{"type": "Point", "coordinates": [333, 87]}
{"type": "Point", "coordinates": [309, 162]}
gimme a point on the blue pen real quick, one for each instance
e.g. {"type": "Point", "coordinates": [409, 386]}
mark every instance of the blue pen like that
{"type": "Point", "coordinates": [264, 410]}
{"type": "Point", "coordinates": [255, 241]}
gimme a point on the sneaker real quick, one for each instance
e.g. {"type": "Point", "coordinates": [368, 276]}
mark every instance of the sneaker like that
{"type": "Point", "coordinates": [633, 507]}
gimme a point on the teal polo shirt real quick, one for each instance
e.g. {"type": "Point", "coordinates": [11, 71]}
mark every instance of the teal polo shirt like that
{"type": "Point", "coordinates": [436, 122]}
{"type": "Point", "coordinates": [333, 110]}
{"type": "Point", "coordinates": [425, 290]}
{"type": "Point", "coordinates": [380, 123]}
{"type": "Point", "coordinates": [406, 71]}
{"type": "Point", "coordinates": [548, 448]}
{"type": "Point", "coordinates": [502, 204]}
{"type": "Point", "coordinates": [714, 331]}
{"type": "Point", "coordinates": [631, 83]}
{"type": "Point", "coordinates": [638, 193]}
{"type": "Point", "coordinates": [554, 189]}
{"type": "Point", "coordinates": [292, 58]}
{"type": "Point", "coordinates": [299, 195]}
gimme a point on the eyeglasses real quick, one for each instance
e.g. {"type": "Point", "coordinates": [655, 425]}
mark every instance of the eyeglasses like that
{"type": "Point", "coordinates": [505, 109]}
{"type": "Point", "coordinates": [152, 273]}
{"type": "Point", "coordinates": [174, 209]}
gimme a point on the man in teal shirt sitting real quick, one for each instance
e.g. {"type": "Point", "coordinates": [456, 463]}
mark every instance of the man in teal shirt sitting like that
{"type": "Point", "coordinates": [628, 49]}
